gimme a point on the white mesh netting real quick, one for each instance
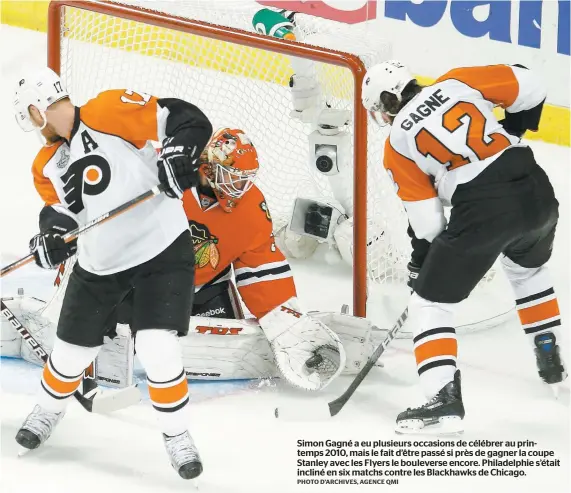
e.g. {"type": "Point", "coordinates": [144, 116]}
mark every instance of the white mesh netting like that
{"type": "Point", "coordinates": [245, 88]}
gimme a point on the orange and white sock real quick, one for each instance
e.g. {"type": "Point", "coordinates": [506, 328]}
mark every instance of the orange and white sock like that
{"type": "Point", "coordinates": [63, 374]}
{"type": "Point", "coordinates": [170, 399]}
{"type": "Point", "coordinates": [160, 354]}
{"type": "Point", "coordinates": [539, 313]}
{"type": "Point", "coordinates": [435, 343]}
{"type": "Point", "coordinates": [536, 302]}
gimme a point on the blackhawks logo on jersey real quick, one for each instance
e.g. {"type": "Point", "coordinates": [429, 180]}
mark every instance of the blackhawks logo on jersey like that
{"type": "Point", "coordinates": [204, 244]}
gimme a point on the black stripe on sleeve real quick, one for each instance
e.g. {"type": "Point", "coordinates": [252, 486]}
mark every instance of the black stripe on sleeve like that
{"type": "Point", "coordinates": [263, 273]}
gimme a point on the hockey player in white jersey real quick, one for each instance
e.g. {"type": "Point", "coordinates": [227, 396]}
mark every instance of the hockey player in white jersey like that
{"type": "Point", "coordinates": [97, 157]}
{"type": "Point", "coordinates": [446, 148]}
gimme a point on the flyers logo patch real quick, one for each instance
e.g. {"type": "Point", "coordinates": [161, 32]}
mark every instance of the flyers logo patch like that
{"type": "Point", "coordinates": [89, 175]}
{"type": "Point", "coordinates": [204, 244]}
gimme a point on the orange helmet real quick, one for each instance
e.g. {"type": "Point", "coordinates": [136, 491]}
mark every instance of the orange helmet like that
{"type": "Point", "coordinates": [230, 165]}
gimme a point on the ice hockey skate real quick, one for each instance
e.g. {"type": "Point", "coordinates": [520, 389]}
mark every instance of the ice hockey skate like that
{"type": "Point", "coordinates": [443, 414]}
{"type": "Point", "coordinates": [37, 428]}
{"type": "Point", "coordinates": [548, 358]}
{"type": "Point", "coordinates": [183, 455]}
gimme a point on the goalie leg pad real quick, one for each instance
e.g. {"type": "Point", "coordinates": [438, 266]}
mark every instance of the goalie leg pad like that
{"type": "Point", "coordinates": [115, 360]}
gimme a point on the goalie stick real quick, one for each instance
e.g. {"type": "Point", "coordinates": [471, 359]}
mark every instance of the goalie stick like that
{"type": "Point", "coordinates": [335, 406]}
{"type": "Point", "coordinates": [72, 235]}
{"type": "Point", "coordinates": [98, 401]}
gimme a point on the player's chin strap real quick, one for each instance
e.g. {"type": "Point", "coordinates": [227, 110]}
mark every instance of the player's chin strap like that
{"type": "Point", "coordinates": [94, 400]}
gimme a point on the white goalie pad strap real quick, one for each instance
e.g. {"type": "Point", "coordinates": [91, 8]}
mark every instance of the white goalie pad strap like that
{"type": "Point", "coordinates": [294, 338]}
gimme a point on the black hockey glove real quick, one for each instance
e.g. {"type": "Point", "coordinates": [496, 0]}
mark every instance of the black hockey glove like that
{"type": "Point", "coordinates": [178, 166]}
{"type": "Point", "coordinates": [511, 128]}
{"type": "Point", "coordinates": [50, 249]}
{"type": "Point", "coordinates": [413, 271]}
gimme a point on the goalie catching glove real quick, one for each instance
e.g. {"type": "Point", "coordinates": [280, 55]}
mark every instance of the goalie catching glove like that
{"type": "Point", "coordinates": [308, 354]}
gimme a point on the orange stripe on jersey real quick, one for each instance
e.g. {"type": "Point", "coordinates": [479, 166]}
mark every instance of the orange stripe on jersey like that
{"type": "Point", "coordinates": [536, 313]}
{"type": "Point", "coordinates": [57, 385]}
{"type": "Point", "coordinates": [168, 395]}
{"type": "Point", "coordinates": [43, 185]}
{"type": "Point", "coordinates": [126, 114]}
{"type": "Point", "coordinates": [497, 83]}
{"type": "Point", "coordinates": [411, 182]}
{"type": "Point", "coordinates": [434, 348]}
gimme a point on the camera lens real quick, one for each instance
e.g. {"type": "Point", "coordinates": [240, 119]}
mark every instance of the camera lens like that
{"type": "Point", "coordinates": [314, 218]}
{"type": "Point", "coordinates": [324, 164]}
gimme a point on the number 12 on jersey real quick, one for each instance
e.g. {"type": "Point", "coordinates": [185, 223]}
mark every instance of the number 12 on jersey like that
{"type": "Point", "coordinates": [482, 146]}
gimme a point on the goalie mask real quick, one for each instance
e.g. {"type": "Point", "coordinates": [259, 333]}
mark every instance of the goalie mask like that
{"type": "Point", "coordinates": [230, 166]}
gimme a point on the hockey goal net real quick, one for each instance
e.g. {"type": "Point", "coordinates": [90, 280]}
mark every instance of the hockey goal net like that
{"type": "Point", "coordinates": [209, 53]}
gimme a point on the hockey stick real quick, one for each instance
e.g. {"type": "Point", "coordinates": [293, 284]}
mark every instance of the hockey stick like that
{"type": "Point", "coordinates": [335, 406]}
{"type": "Point", "coordinates": [72, 235]}
{"type": "Point", "coordinates": [98, 402]}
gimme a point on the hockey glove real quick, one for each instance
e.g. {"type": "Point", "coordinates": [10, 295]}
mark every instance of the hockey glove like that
{"type": "Point", "coordinates": [413, 272]}
{"type": "Point", "coordinates": [511, 128]}
{"type": "Point", "coordinates": [178, 167]}
{"type": "Point", "coordinates": [308, 354]}
{"type": "Point", "coordinates": [50, 249]}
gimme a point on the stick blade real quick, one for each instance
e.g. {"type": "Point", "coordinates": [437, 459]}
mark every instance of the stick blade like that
{"type": "Point", "coordinates": [114, 400]}
{"type": "Point", "coordinates": [307, 411]}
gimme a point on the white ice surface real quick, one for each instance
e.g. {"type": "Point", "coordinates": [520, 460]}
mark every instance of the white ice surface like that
{"type": "Point", "coordinates": [244, 448]}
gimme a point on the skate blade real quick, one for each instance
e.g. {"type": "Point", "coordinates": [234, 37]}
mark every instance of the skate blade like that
{"type": "Point", "coordinates": [555, 388]}
{"type": "Point", "coordinates": [452, 426]}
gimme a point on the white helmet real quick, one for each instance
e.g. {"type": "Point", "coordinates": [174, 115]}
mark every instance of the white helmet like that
{"type": "Point", "coordinates": [390, 76]}
{"type": "Point", "coordinates": [41, 89]}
